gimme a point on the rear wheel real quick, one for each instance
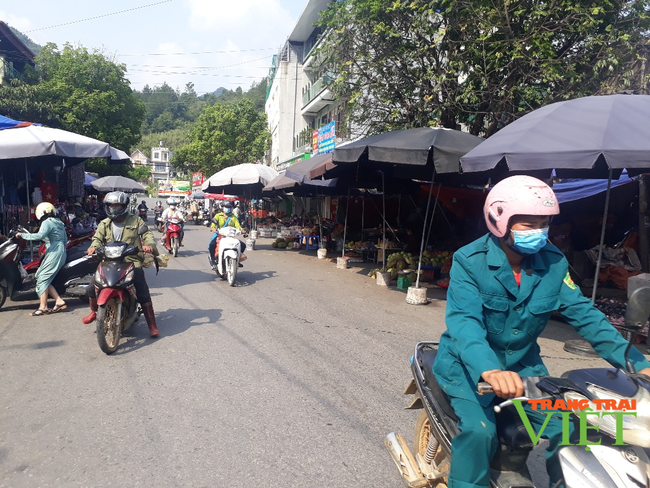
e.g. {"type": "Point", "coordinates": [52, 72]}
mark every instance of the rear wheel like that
{"type": "Point", "coordinates": [422, 436]}
{"type": "Point", "coordinates": [175, 246]}
{"type": "Point", "coordinates": [231, 270]}
{"type": "Point", "coordinates": [108, 328]}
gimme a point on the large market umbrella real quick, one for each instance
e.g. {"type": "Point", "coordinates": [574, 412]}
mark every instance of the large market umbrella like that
{"type": "Point", "coordinates": [580, 138]}
{"type": "Point", "coordinates": [117, 183]}
{"type": "Point", "coordinates": [244, 179]}
{"type": "Point", "coordinates": [197, 195]}
{"type": "Point", "coordinates": [422, 153]}
{"type": "Point", "coordinates": [590, 137]}
{"type": "Point", "coordinates": [44, 143]}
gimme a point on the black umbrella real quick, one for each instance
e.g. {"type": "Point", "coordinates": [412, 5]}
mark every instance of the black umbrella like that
{"type": "Point", "coordinates": [590, 137]}
{"type": "Point", "coordinates": [580, 138]}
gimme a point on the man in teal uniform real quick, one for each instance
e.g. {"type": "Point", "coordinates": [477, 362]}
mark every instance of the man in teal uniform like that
{"type": "Point", "coordinates": [503, 289]}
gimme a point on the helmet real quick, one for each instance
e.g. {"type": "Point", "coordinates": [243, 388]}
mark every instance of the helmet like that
{"type": "Point", "coordinates": [226, 204]}
{"type": "Point", "coordinates": [119, 198]}
{"type": "Point", "coordinates": [159, 203]}
{"type": "Point", "coordinates": [172, 201]}
{"type": "Point", "coordinates": [45, 209]}
{"type": "Point", "coordinates": [517, 195]}
{"type": "Point", "coordinates": [143, 201]}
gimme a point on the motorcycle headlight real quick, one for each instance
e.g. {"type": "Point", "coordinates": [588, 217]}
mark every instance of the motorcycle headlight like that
{"type": "Point", "coordinates": [127, 278]}
{"type": "Point", "coordinates": [636, 430]}
{"type": "Point", "coordinates": [113, 252]}
{"type": "Point", "coordinates": [99, 276]}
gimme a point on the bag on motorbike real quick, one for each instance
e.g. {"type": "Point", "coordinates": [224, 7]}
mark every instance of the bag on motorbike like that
{"type": "Point", "coordinates": [163, 260]}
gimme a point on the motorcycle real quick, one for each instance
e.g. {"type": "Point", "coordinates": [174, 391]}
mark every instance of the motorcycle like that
{"type": "Point", "coordinates": [227, 253]}
{"type": "Point", "coordinates": [74, 247]}
{"type": "Point", "coordinates": [607, 464]}
{"type": "Point", "coordinates": [206, 217]}
{"type": "Point", "coordinates": [159, 223]}
{"type": "Point", "coordinates": [173, 237]}
{"type": "Point", "coordinates": [116, 297]}
{"type": "Point", "coordinates": [143, 214]}
{"type": "Point", "coordinates": [73, 279]}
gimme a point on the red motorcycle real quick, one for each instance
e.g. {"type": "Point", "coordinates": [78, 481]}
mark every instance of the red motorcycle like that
{"type": "Point", "coordinates": [173, 237]}
{"type": "Point", "coordinates": [74, 239]}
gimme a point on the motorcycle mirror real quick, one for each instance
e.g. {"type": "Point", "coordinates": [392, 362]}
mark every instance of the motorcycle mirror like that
{"type": "Point", "coordinates": [638, 309]}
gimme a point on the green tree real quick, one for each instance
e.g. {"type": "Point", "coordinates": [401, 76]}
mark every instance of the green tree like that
{"type": "Point", "coordinates": [224, 135]}
{"type": "Point", "coordinates": [90, 94]}
{"type": "Point", "coordinates": [140, 173]}
{"type": "Point", "coordinates": [478, 62]}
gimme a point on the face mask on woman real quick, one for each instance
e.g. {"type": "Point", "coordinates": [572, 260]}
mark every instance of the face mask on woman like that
{"type": "Point", "coordinates": [227, 210]}
{"type": "Point", "coordinates": [529, 241]}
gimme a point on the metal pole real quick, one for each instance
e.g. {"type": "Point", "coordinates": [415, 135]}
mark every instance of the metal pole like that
{"type": "Point", "coordinates": [345, 224]}
{"type": "Point", "coordinates": [29, 210]}
{"type": "Point", "coordinates": [424, 228]}
{"type": "Point", "coordinates": [602, 236]}
{"type": "Point", "coordinates": [383, 202]}
{"type": "Point", "coordinates": [643, 230]}
{"type": "Point", "coordinates": [363, 215]}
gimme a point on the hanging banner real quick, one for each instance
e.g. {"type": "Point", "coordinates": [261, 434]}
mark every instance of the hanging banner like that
{"type": "Point", "coordinates": [327, 138]}
{"type": "Point", "coordinates": [314, 142]}
{"type": "Point", "coordinates": [174, 187]}
{"type": "Point", "coordinates": [197, 179]}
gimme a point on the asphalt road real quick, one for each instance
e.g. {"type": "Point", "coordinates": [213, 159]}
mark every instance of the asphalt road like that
{"type": "Point", "coordinates": [289, 379]}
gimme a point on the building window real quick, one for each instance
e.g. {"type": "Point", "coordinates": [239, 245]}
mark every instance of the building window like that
{"type": "Point", "coordinates": [161, 168]}
{"type": "Point", "coordinates": [164, 156]}
{"type": "Point", "coordinates": [156, 156]}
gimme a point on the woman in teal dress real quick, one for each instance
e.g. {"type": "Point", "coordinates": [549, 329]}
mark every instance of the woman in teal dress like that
{"type": "Point", "coordinates": [52, 233]}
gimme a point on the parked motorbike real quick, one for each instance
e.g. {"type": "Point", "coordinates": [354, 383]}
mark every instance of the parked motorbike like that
{"type": "Point", "coordinates": [227, 253]}
{"type": "Point", "coordinates": [116, 298]}
{"type": "Point", "coordinates": [16, 283]}
{"type": "Point", "coordinates": [173, 237]}
{"type": "Point", "coordinates": [77, 244]}
{"type": "Point", "coordinates": [607, 464]}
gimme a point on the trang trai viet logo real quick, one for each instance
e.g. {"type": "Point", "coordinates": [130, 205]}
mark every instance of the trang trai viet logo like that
{"type": "Point", "coordinates": [592, 415]}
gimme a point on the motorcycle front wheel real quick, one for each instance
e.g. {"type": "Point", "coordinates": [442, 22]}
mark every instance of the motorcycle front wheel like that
{"type": "Point", "coordinates": [108, 328]}
{"type": "Point", "coordinates": [3, 295]}
{"type": "Point", "coordinates": [231, 270]}
{"type": "Point", "coordinates": [422, 436]}
{"type": "Point", "coordinates": [175, 246]}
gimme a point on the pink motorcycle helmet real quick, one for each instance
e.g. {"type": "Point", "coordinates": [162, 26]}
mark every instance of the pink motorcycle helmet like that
{"type": "Point", "coordinates": [517, 195]}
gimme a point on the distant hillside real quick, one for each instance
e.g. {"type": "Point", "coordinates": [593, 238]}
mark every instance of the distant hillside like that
{"type": "Point", "coordinates": [33, 47]}
{"type": "Point", "coordinates": [218, 91]}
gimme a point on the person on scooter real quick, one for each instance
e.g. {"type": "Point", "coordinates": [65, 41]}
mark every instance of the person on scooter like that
{"type": "Point", "coordinates": [223, 219]}
{"type": "Point", "coordinates": [125, 227]}
{"type": "Point", "coordinates": [142, 210]}
{"type": "Point", "coordinates": [173, 214]}
{"type": "Point", "coordinates": [503, 289]}
{"type": "Point", "coordinates": [52, 232]}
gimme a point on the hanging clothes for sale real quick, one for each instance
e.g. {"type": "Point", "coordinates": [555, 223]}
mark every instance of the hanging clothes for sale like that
{"type": "Point", "coordinates": [75, 180]}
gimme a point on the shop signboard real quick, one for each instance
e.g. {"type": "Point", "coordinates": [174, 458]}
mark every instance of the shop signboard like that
{"type": "Point", "coordinates": [327, 138]}
{"type": "Point", "coordinates": [174, 187]}
{"type": "Point", "coordinates": [197, 180]}
{"type": "Point", "coordinates": [285, 164]}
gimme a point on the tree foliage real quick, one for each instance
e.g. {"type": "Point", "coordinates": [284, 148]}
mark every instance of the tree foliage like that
{"type": "Point", "coordinates": [90, 94]}
{"type": "Point", "coordinates": [477, 62]}
{"type": "Point", "coordinates": [224, 135]}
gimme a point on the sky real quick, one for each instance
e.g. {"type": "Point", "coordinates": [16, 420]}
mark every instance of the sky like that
{"type": "Point", "coordinates": [211, 43]}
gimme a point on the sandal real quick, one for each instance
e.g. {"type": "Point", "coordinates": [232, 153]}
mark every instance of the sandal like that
{"type": "Point", "coordinates": [58, 308]}
{"type": "Point", "coordinates": [40, 312]}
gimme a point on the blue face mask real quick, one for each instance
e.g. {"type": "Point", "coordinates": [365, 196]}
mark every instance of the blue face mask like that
{"type": "Point", "coordinates": [530, 241]}
{"type": "Point", "coordinates": [227, 210]}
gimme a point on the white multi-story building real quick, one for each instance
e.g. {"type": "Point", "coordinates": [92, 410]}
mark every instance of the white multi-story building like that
{"type": "Point", "coordinates": [160, 166]}
{"type": "Point", "coordinates": [299, 103]}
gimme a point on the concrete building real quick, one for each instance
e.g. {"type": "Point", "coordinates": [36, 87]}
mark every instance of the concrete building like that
{"type": "Point", "coordinates": [302, 112]}
{"type": "Point", "coordinates": [160, 166]}
{"type": "Point", "coordinates": [138, 158]}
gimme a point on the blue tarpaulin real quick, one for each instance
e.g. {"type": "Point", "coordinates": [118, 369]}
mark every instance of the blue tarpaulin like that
{"type": "Point", "coordinates": [88, 179]}
{"type": "Point", "coordinates": [572, 190]}
{"type": "Point", "coordinates": [7, 123]}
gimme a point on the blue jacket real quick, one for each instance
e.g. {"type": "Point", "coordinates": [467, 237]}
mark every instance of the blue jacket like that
{"type": "Point", "coordinates": [494, 324]}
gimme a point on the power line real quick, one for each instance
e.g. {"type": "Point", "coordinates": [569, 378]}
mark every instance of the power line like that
{"type": "Point", "coordinates": [204, 52]}
{"type": "Point", "coordinates": [98, 16]}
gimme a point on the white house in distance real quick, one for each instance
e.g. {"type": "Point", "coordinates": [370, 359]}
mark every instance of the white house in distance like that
{"type": "Point", "coordinates": [303, 115]}
{"type": "Point", "coordinates": [138, 158]}
{"type": "Point", "coordinates": [160, 166]}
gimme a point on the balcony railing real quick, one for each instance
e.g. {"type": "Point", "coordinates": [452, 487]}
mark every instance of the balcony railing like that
{"type": "Point", "coordinates": [319, 85]}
